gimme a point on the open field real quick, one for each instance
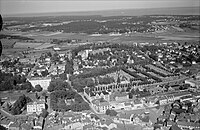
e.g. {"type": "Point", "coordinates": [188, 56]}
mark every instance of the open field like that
{"type": "Point", "coordinates": [12, 52]}
{"type": "Point", "coordinates": [44, 46]}
{"type": "Point", "coordinates": [26, 45]}
{"type": "Point", "coordinates": [8, 43]}
{"type": "Point", "coordinates": [166, 36]}
{"type": "Point", "coordinates": [135, 37]}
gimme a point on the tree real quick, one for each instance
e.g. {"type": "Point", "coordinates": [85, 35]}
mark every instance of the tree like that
{"type": "Point", "coordinates": [118, 79]}
{"type": "Point", "coordinates": [111, 112]}
{"type": "Point", "coordinates": [38, 88]}
{"type": "Point", "coordinates": [58, 84]}
{"type": "Point", "coordinates": [36, 96]}
{"type": "Point", "coordinates": [61, 104]}
{"type": "Point", "coordinates": [19, 104]}
{"type": "Point", "coordinates": [108, 112]}
{"type": "Point", "coordinates": [130, 95]}
{"type": "Point", "coordinates": [44, 73]}
{"type": "Point", "coordinates": [78, 98]}
{"type": "Point", "coordinates": [63, 76]}
{"type": "Point", "coordinates": [2, 127]}
{"type": "Point", "coordinates": [44, 94]}
{"type": "Point", "coordinates": [33, 90]}
{"type": "Point", "coordinates": [28, 86]}
{"type": "Point", "coordinates": [55, 58]}
{"type": "Point", "coordinates": [44, 113]}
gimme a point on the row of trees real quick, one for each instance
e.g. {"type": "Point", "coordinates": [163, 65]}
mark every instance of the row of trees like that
{"type": "Point", "coordinates": [8, 81]}
{"type": "Point", "coordinates": [69, 67]}
{"type": "Point", "coordinates": [148, 69]}
{"type": "Point", "coordinates": [148, 75]}
{"type": "Point", "coordinates": [106, 80]}
{"type": "Point", "coordinates": [21, 102]}
{"type": "Point", "coordinates": [134, 74]}
{"type": "Point", "coordinates": [111, 112]}
{"type": "Point", "coordinates": [14, 37]}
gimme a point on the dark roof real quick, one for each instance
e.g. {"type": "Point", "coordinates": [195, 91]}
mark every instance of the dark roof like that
{"type": "Point", "coordinates": [105, 93]}
{"type": "Point", "coordinates": [92, 94]}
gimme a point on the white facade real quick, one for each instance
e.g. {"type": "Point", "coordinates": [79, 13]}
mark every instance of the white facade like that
{"type": "Point", "coordinates": [35, 107]}
{"type": "Point", "coordinates": [44, 82]}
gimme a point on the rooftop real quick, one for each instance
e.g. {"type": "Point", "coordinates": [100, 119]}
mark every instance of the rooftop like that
{"type": "Point", "coordinates": [100, 102]}
{"type": "Point", "coordinates": [36, 102]}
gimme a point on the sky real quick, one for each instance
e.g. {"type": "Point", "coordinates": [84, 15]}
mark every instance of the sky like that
{"type": "Point", "coordinates": [43, 6]}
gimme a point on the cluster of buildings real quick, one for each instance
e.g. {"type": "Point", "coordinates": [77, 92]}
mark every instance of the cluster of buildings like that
{"type": "Point", "coordinates": [180, 115]}
{"type": "Point", "coordinates": [16, 65]}
{"type": "Point", "coordinates": [30, 119]}
{"type": "Point", "coordinates": [79, 121]}
{"type": "Point", "coordinates": [178, 56]}
{"type": "Point", "coordinates": [47, 67]}
{"type": "Point", "coordinates": [105, 57]}
{"type": "Point", "coordinates": [118, 98]}
{"type": "Point", "coordinates": [22, 123]}
{"type": "Point", "coordinates": [134, 119]}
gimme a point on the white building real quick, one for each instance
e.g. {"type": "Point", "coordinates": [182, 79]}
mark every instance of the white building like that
{"type": "Point", "coordinates": [43, 82]}
{"type": "Point", "coordinates": [101, 106]}
{"type": "Point", "coordinates": [84, 54]}
{"type": "Point", "coordinates": [35, 107]}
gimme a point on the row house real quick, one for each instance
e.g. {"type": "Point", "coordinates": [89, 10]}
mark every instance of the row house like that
{"type": "Point", "coordinates": [113, 86]}
{"type": "Point", "coordinates": [96, 95]}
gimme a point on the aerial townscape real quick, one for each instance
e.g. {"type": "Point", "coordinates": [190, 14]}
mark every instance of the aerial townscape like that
{"type": "Point", "coordinates": [96, 72]}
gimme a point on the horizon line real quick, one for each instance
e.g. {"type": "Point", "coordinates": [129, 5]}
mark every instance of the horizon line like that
{"type": "Point", "coordinates": [84, 11]}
